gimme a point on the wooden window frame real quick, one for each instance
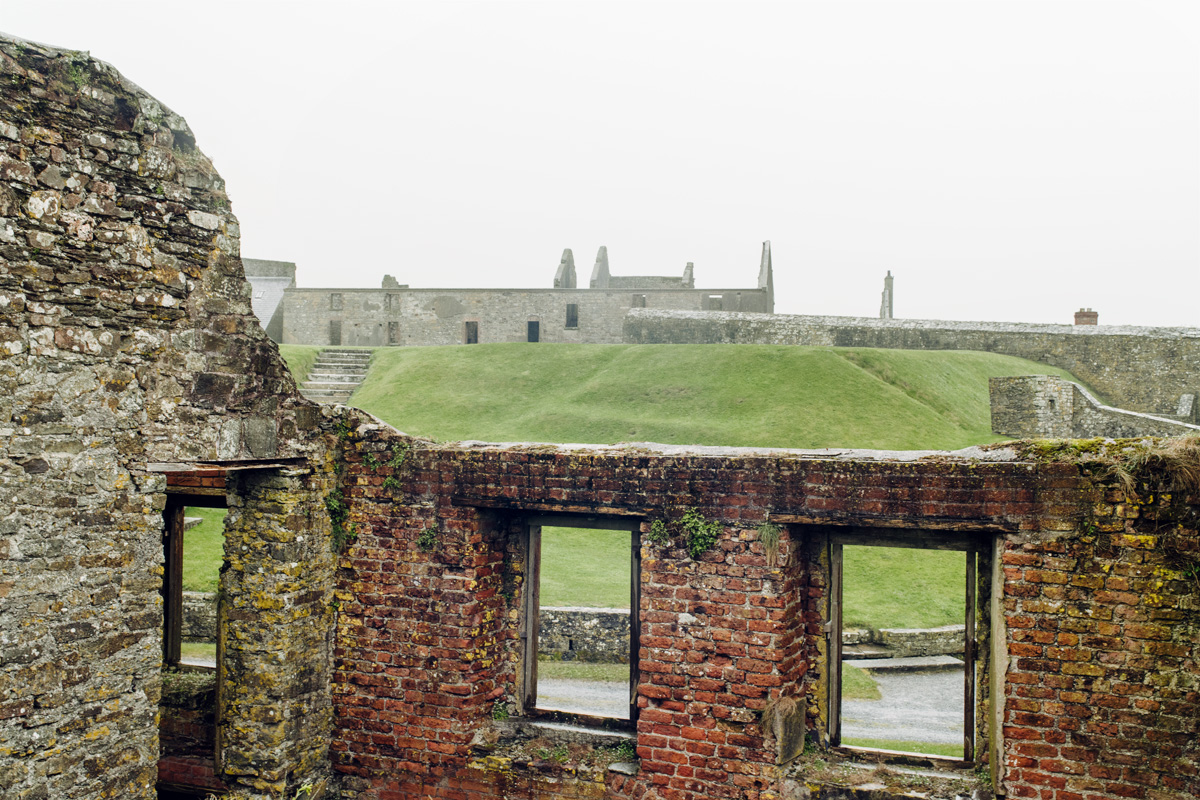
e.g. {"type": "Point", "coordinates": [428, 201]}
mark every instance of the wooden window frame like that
{"type": "Point", "coordinates": [531, 605]}
{"type": "Point", "coordinates": [977, 552]}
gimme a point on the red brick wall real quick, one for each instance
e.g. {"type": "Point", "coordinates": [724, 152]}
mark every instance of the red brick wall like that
{"type": "Point", "coordinates": [427, 640]}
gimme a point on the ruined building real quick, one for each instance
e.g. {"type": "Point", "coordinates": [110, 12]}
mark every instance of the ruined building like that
{"type": "Point", "coordinates": [375, 634]}
{"type": "Point", "coordinates": [397, 314]}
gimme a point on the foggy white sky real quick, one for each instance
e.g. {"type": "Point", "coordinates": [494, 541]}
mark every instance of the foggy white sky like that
{"type": "Point", "coordinates": [1005, 159]}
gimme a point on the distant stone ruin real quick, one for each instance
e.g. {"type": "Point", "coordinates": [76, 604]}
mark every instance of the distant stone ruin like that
{"type": "Point", "coordinates": [397, 314]}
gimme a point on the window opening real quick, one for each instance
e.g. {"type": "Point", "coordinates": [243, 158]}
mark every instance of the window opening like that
{"type": "Point", "coordinates": [572, 315]}
{"type": "Point", "coordinates": [639, 301]}
{"type": "Point", "coordinates": [393, 333]}
{"type": "Point", "coordinates": [580, 618]}
{"type": "Point", "coordinates": [712, 302]}
{"type": "Point", "coordinates": [891, 687]}
{"type": "Point", "coordinates": [194, 549]}
{"type": "Point", "coordinates": [335, 332]}
{"type": "Point", "coordinates": [471, 333]}
{"type": "Point", "coordinates": [335, 301]}
{"type": "Point", "coordinates": [532, 331]}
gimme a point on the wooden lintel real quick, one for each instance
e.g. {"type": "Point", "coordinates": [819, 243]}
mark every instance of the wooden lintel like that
{"type": "Point", "coordinates": [912, 523]}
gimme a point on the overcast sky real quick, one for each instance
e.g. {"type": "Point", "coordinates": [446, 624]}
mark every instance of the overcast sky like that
{"type": "Point", "coordinates": [1005, 159]}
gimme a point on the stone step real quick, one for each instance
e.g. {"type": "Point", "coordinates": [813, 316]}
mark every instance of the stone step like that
{"type": "Point", "coordinates": [314, 375]}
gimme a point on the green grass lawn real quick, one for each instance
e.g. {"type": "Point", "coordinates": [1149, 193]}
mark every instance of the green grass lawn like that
{"type": "Point", "coordinates": [583, 671]}
{"type": "Point", "coordinates": [924, 748]}
{"type": "Point", "coordinates": [585, 567]}
{"type": "Point", "coordinates": [739, 395]}
{"type": "Point", "coordinates": [299, 359]}
{"type": "Point", "coordinates": [857, 684]}
{"type": "Point", "coordinates": [203, 549]}
{"type": "Point", "coordinates": [898, 587]}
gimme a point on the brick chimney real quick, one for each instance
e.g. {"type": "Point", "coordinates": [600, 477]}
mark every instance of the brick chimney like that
{"type": "Point", "coordinates": [1085, 316]}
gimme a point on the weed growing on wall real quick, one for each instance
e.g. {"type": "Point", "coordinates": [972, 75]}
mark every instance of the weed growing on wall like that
{"type": "Point", "coordinates": [427, 539]}
{"type": "Point", "coordinates": [344, 532]}
{"type": "Point", "coordinates": [698, 534]}
{"type": "Point", "coordinates": [768, 535]}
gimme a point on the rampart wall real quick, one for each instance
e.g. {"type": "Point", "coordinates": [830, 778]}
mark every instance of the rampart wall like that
{"type": "Point", "coordinates": [1141, 369]}
{"type": "Point", "coordinates": [1048, 406]}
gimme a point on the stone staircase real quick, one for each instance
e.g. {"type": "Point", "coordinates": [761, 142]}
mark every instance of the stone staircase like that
{"type": "Point", "coordinates": [335, 375]}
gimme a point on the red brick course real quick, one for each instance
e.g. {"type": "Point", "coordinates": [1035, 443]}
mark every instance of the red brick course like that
{"type": "Point", "coordinates": [1101, 690]}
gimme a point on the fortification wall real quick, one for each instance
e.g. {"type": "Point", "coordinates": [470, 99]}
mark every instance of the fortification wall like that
{"type": "Point", "coordinates": [1047, 406]}
{"type": "Point", "coordinates": [377, 317]}
{"type": "Point", "coordinates": [1141, 369]}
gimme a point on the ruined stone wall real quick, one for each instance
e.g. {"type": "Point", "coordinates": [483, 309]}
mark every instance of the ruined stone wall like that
{"type": "Point", "coordinates": [1034, 406]}
{"type": "Point", "coordinates": [126, 339]}
{"type": "Point", "coordinates": [1141, 369]}
{"type": "Point", "coordinates": [437, 316]}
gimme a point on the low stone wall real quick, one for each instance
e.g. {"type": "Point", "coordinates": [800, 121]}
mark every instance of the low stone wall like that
{"type": "Point", "coordinates": [1048, 406]}
{"type": "Point", "coordinates": [584, 634]}
{"type": "Point", "coordinates": [200, 616]}
{"type": "Point", "coordinates": [569, 634]}
{"type": "Point", "coordinates": [907, 642]}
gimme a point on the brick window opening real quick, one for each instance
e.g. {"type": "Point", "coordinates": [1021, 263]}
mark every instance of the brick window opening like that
{"type": "Point", "coordinates": [533, 331]}
{"type": "Point", "coordinates": [639, 301]}
{"type": "Point", "coordinates": [335, 301]}
{"type": "Point", "coordinates": [895, 690]}
{"type": "Point", "coordinates": [579, 619]}
{"type": "Point", "coordinates": [471, 333]}
{"type": "Point", "coordinates": [572, 315]}
{"type": "Point", "coordinates": [393, 334]}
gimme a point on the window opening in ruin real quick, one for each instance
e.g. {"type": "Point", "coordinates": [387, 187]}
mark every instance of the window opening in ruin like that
{"type": "Point", "coordinates": [533, 331]}
{"type": "Point", "coordinates": [335, 301]}
{"type": "Point", "coordinates": [572, 315]}
{"type": "Point", "coordinates": [580, 618]}
{"type": "Point", "coordinates": [471, 333]}
{"type": "Point", "coordinates": [335, 332]}
{"type": "Point", "coordinates": [393, 334]}
{"type": "Point", "coordinates": [193, 550]}
{"type": "Point", "coordinates": [712, 302]}
{"type": "Point", "coordinates": [393, 303]}
{"type": "Point", "coordinates": [903, 667]}
{"type": "Point", "coordinates": [639, 301]}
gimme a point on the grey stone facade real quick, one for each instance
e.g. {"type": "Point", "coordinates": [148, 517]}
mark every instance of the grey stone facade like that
{"type": "Point", "coordinates": [401, 315]}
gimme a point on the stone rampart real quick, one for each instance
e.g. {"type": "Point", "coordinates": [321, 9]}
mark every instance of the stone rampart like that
{"type": "Point", "coordinates": [1047, 406]}
{"type": "Point", "coordinates": [1141, 369]}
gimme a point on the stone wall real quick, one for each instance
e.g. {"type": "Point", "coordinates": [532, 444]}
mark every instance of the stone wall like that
{"type": "Point", "coordinates": [1047, 406]}
{"type": "Point", "coordinates": [584, 634]}
{"type": "Point", "coordinates": [126, 341]}
{"type": "Point", "coordinates": [438, 316]}
{"type": "Point", "coordinates": [1141, 369]}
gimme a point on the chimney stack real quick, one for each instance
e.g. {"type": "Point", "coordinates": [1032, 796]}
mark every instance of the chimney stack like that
{"type": "Point", "coordinates": [1085, 316]}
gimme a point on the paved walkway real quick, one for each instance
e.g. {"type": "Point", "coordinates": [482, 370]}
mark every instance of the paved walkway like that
{"type": "Point", "coordinates": [595, 698]}
{"type": "Point", "coordinates": [916, 707]}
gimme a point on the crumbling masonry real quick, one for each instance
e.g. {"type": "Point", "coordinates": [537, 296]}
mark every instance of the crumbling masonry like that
{"type": "Point", "coordinates": [372, 616]}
